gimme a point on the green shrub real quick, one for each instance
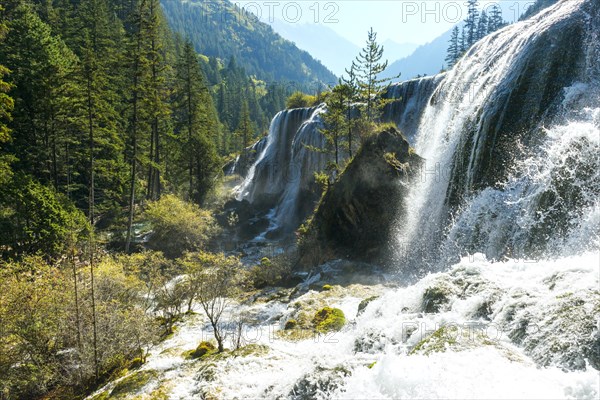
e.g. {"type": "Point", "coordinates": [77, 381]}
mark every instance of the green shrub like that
{"type": "Point", "coordinates": [179, 226]}
{"type": "Point", "coordinates": [34, 218]}
{"type": "Point", "coordinates": [329, 319]}
{"type": "Point", "coordinates": [300, 100]}
{"type": "Point", "coordinates": [270, 272]}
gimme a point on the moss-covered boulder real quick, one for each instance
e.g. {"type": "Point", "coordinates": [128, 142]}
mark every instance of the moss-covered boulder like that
{"type": "Point", "coordinates": [364, 303]}
{"type": "Point", "coordinates": [290, 324]}
{"type": "Point", "coordinates": [354, 217]}
{"type": "Point", "coordinates": [438, 295]}
{"type": "Point", "coordinates": [203, 349]}
{"type": "Point", "coordinates": [320, 383]}
{"type": "Point", "coordinates": [329, 319]}
{"type": "Point", "coordinates": [453, 338]}
{"type": "Point", "coordinates": [435, 297]}
{"type": "Point", "coordinates": [563, 333]}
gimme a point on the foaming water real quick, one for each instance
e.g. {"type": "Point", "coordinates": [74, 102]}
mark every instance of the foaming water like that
{"type": "Point", "coordinates": [549, 205]}
{"type": "Point", "coordinates": [455, 134]}
{"type": "Point", "coordinates": [491, 355]}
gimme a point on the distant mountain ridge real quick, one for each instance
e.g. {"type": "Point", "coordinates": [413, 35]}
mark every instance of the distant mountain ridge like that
{"type": "Point", "coordinates": [319, 40]}
{"type": "Point", "coordinates": [219, 28]}
{"type": "Point", "coordinates": [427, 59]}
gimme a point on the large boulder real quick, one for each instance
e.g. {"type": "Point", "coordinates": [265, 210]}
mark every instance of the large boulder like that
{"type": "Point", "coordinates": [355, 215]}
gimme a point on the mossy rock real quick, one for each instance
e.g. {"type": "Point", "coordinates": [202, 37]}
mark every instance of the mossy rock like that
{"type": "Point", "coordinates": [321, 382]}
{"type": "Point", "coordinates": [363, 304]}
{"type": "Point", "coordinates": [132, 384]}
{"type": "Point", "coordinates": [451, 337]}
{"type": "Point", "coordinates": [436, 297]}
{"type": "Point", "coordinates": [567, 332]}
{"type": "Point", "coordinates": [329, 319]}
{"type": "Point", "coordinates": [353, 218]}
{"type": "Point", "coordinates": [296, 335]}
{"type": "Point", "coordinates": [252, 349]}
{"type": "Point", "coordinates": [203, 349]}
{"type": "Point", "coordinates": [159, 394]}
{"type": "Point", "coordinates": [290, 324]}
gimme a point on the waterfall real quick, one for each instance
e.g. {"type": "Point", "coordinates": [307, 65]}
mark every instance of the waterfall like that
{"type": "Point", "coordinates": [304, 162]}
{"type": "Point", "coordinates": [549, 206]}
{"type": "Point", "coordinates": [491, 101]}
{"type": "Point", "coordinates": [282, 175]}
{"type": "Point", "coordinates": [243, 162]}
{"type": "Point", "coordinates": [411, 98]}
{"type": "Point", "coordinates": [273, 169]}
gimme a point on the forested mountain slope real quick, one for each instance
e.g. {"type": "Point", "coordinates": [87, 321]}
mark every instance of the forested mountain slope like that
{"type": "Point", "coordinates": [222, 29]}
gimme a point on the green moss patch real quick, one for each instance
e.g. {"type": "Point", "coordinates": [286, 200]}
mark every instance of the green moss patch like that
{"type": "Point", "coordinates": [451, 338]}
{"type": "Point", "coordinates": [436, 297]}
{"type": "Point", "coordinates": [252, 349]}
{"type": "Point", "coordinates": [329, 319]}
{"type": "Point", "coordinates": [132, 384]}
{"type": "Point", "coordinates": [204, 349]}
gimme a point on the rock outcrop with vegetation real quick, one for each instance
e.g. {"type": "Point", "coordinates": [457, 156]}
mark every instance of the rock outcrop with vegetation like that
{"type": "Point", "coordinates": [354, 216]}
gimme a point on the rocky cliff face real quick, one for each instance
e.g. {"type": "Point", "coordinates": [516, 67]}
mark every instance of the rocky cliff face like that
{"type": "Point", "coordinates": [353, 217]}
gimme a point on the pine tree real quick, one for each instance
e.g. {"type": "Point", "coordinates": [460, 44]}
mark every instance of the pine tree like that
{"type": "Point", "coordinates": [368, 67]}
{"type": "Point", "coordinates": [101, 121]}
{"type": "Point", "coordinates": [157, 95]}
{"type": "Point", "coordinates": [41, 64]}
{"type": "Point", "coordinates": [350, 91]}
{"type": "Point", "coordinates": [462, 42]}
{"type": "Point", "coordinates": [6, 106]}
{"type": "Point", "coordinates": [335, 119]}
{"type": "Point", "coordinates": [138, 64]}
{"type": "Point", "coordinates": [195, 122]}
{"type": "Point", "coordinates": [495, 19]}
{"type": "Point", "coordinates": [471, 23]}
{"type": "Point", "coordinates": [482, 26]}
{"type": "Point", "coordinates": [245, 129]}
{"type": "Point", "coordinates": [454, 52]}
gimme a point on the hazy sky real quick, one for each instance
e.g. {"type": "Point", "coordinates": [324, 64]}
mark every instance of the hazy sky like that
{"type": "Point", "coordinates": [403, 21]}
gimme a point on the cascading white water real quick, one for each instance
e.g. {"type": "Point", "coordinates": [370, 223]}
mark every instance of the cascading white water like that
{"type": "Point", "coordinates": [553, 194]}
{"type": "Point", "coordinates": [410, 100]}
{"type": "Point", "coordinates": [284, 168]}
{"type": "Point", "coordinates": [304, 162]}
{"type": "Point", "coordinates": [469, 99]}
